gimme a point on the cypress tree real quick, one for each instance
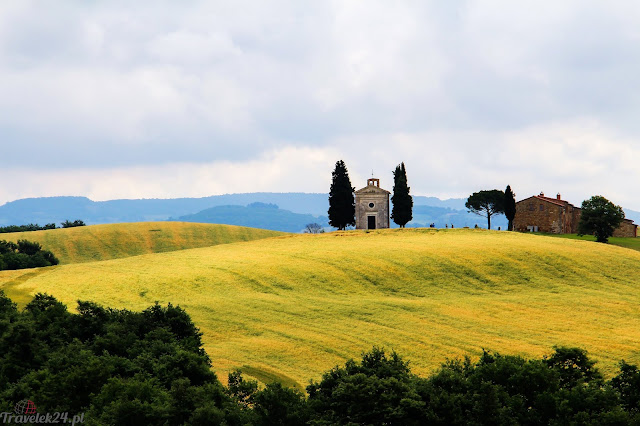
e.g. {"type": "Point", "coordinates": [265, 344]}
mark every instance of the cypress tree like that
{"type": "Point", "coordinates": [509, 206]}
{"type": "Point", "coordinates": [342, 206]}
{"type": "Point", "coordinates": [402, 211]}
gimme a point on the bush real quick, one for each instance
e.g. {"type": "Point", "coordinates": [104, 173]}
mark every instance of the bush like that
{"type": "Point", "coordinates": [69, 224]}
{"type": "Point", "coordinates": [378, 389]}
{"type": "Point", "coordinates": [120, 367]}
{"type": "Point", "coordinates": [29, 248]}
{"type": "Point", "coordinates": [25, 254]}
{"type": "Point", "coordinates": [313, 228]}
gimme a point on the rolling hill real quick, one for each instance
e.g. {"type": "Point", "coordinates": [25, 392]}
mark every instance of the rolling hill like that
{"type": "Point", "coordinates": [293, 306]}
{"type": "Point", "coordinates": [113, 241]}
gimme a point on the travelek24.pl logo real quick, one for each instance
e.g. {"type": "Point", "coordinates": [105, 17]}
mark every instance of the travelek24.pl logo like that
{"type": "Point", "coordinates": [25, 412]}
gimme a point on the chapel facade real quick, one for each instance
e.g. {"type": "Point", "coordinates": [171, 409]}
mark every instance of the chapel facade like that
{"type": "Point", "coordinates": [372, 206]}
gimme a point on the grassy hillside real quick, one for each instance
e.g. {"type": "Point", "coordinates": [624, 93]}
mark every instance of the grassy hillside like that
{"type": "Point", "coordinates": [294, 306]}
{"type": "Point", "coordinates": [627, 242]}
{"type": "Point", "coordinates": [102, 242]}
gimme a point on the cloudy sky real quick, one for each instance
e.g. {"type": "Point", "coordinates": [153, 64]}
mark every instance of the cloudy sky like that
{"type": "Point", "coordinates": [188, 98]}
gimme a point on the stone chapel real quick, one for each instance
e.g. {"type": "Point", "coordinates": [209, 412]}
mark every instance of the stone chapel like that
{"type": "Point", "coordinates": [372, 206]}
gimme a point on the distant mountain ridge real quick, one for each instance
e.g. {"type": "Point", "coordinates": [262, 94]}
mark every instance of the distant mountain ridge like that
{"type": "Point", "coordinates": [293, 206]}
{"type": "Point", "coordinates": [256, 215]}
{"type": "Point", "coordinates": [58, 209]}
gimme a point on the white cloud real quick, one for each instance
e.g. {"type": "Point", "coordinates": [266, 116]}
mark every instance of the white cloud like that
{"type": "Point", "coordinates": [160, 99]}
{"type": "Point", "coordinates": [288, 169]}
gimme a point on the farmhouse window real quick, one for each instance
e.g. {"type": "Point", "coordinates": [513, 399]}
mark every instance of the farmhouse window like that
{"type": "Point", "coordinates": [541, 207]}
{"type": "Point", "coordinates": [532, 207]}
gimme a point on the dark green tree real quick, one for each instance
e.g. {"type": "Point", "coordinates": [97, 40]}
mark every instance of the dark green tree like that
{"type": "Point", "coordinates": [28, 247]}
{"type": "Point", "coordinates": [118, 366]}
{"type": "Point", "coordinates": [574, 366]}
{"type": "Point", "coordinates": [68, 224]}
{"type": "Point", "coordinates": [599, 217]}
{"type": "Point", "coordinates": [342, 206]}
{"type": "Point", "coordinates": [278, 405]}
{"type": "Point", "coordinates": [377, 390]}
{"type": "Point", "coordinates": [486, 204]}
{"type": "Point", "coordinates": [509, 206]}
{"type": "Point", "coordinates": [402, 211]}
{"type": "Point", "coordinates": [25, 254]}
{"type": "Point", "coordinates": [627, 384]}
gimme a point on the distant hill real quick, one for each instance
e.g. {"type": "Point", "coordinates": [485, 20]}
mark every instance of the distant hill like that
{"type": "Point", "coordinates": [427, 210]}
{"type": "Point", "coordinates": [256, 215]}
{"type": "Point", "coordinates": [443, 216]}
{"type": "Point", "coordinates": [57, 209]}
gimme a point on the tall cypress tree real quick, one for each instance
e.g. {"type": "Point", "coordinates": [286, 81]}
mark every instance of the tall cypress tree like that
{"type": "Point", "coordinates": [509, 206]}
{"type": "Point", "coordinates": [402, 211]}
{"type": "Point", "coordinates": [342, 206]}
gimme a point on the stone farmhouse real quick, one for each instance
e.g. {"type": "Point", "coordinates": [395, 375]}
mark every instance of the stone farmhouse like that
{"type": "Point", "coordinates": [372, 206]}
{"type": "Point", "coordinates": [557, 216]}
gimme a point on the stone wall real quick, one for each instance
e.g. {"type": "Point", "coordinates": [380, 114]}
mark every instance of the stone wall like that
{"type": "Point", "coordinates": [576, 220]}
{"type": "Point", "coordinates": [626, 229]}
{"type": "Point", "coordinates": [380, 209]}
{"type": "Point", "coordinates": [546, 216]}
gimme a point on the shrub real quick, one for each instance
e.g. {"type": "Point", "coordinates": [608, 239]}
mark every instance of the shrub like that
{"type": "Point", "coordinates": [25, 254]}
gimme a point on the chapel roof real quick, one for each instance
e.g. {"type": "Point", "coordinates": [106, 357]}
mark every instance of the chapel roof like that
{"type": "Point", "coordinates": [373, 187]}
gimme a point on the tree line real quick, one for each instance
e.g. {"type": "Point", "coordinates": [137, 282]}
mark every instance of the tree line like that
{"type": "Point", "coordinates": [131, 368]}
{"type": "Point", "coordinates": [24, 254]}
{"type": "Point", "coordinates": [36, 227]}
{"type": "Point", "coordinates": [598, 216]}
{"type": "Point", "coordinates": [26, 228]}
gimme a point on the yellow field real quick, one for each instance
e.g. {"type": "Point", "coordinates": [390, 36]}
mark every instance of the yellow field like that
{"type": "Point", "coordinates": [113, 241]}
{"type": "Point", "coordinates": [293, 306]}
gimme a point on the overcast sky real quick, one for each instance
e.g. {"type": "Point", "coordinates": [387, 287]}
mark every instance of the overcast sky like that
{"type": "Point", "coordinates": [185, 98]}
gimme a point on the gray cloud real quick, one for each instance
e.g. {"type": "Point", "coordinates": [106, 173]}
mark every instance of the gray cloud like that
{"type": "Point", "coordinates": [495, 88]}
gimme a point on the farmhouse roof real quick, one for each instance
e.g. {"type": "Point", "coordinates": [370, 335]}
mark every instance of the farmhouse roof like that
{"type": "Point", "coordinates": [556, 201]}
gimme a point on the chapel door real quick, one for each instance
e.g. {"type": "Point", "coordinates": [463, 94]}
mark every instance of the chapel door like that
{"type": "Point", "coordinates": [372, 222]}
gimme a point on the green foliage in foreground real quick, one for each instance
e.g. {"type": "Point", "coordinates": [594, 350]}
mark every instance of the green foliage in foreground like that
{"type": "Point", "coordinates": [132, 368]}
{"type": "Point", "coordinates": [24, 254]}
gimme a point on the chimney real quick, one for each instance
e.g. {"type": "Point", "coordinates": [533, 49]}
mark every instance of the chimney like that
{"type": "Point", "coordinates": [558, 196]}
{"type": "Point", "coordinates": [541, 194]}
